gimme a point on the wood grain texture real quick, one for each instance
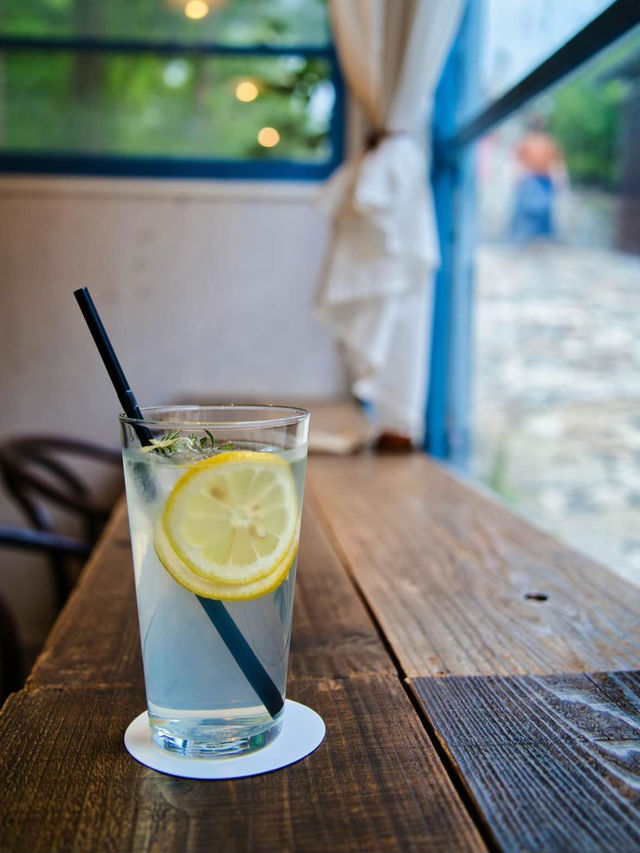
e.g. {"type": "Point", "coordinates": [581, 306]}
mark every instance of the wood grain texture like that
{"type": "Point", "coordinates": [332, 634]}
{"type": "Point", "coordinates": [446, 572]}
{"type": "Point", "coordinates": [96, 641]}
{"type": "Point", "coordinates": [535, 703]}
{"type": "Point", "coordinates": [553, 762]}
{"type": "Point", "coordinates": [375, 784]}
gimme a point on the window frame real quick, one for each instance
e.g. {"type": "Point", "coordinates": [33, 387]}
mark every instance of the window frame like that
{"type": "Point", "coordinates": [142, 166]}
{"type": "Point", "coordinates": [448, 416]}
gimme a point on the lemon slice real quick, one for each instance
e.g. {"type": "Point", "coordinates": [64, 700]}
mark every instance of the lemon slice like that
{"type": "Point", "coordinates": [233, 518]}
{"type": "Point", "coordinates": [212, 589]}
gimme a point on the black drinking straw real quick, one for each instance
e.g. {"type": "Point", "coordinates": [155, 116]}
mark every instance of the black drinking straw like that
{"type": "Point", "coordinates": [110, 359]}
{"type": "Point", "coordinates": [243, 654]}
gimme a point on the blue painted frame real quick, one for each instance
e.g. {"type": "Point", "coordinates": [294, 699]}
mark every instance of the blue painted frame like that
{"type": "Point", "coordinates": [447, 418]}
{"type": "Point", "coordinates": [448, 433]}
{"type": "Point", "coordinates": [112, 165]}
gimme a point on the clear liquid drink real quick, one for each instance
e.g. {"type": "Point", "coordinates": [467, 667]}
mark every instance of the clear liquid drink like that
{"type": "Point", "coordinates": [214, 517]}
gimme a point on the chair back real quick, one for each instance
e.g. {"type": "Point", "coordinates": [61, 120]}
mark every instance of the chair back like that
{"type": "Point", "coordinates": [37, 472]}
{"type": "Point", "coordinates": [10, 653]}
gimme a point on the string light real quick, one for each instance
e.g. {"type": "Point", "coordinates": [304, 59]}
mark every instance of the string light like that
{"type": "Point", "coordinates": [196, 9]}
{"type": "Point", "coordinates": [268, 137]}
{"type": "Point", "coordinates": [246, 91]}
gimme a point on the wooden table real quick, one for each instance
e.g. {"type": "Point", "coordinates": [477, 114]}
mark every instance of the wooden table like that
{"type": "Point", "coordinates": [478, 680]}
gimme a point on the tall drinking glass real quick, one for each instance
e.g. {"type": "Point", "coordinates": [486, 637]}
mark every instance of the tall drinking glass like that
{"type": "Point", "coordinates": [214, 495]}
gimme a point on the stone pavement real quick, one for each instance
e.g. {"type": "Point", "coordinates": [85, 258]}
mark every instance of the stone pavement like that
{"type": "Point", "coordinates": [557, 392]}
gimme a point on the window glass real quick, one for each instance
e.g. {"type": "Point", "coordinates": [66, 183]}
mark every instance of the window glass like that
{"type": "Point", "coordinates": [152, 104]}
{"type": "Point", "coordinates": [186, 86]}
{"type": "Point", "coordinates": [557, 337]}
{"type": "Point", "coordinates": [517, 35]}
{"type": "Point", "coordinates": [234, 22]}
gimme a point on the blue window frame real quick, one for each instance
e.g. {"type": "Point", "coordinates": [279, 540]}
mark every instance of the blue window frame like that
{"type": "Point", "coordinates": [448, 406]}
{"type": "Point", "coordinates": [15, 159]}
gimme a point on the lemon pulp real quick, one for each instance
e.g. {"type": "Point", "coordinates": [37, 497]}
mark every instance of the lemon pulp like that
{"type": "Point", "coordinates": [229, 529]}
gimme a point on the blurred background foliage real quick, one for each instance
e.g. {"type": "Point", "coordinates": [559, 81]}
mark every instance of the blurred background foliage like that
{"type": "Point", "coordinates": [587, 112]}
{"type": "Point", "coordinates": [239, 22]}
{"type": "Point", "coordinates": [176, 104]}
{"type": "Point", "coordinates": [585, 120]}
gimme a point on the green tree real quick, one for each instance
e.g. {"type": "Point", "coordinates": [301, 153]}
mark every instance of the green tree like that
{"type": "Point", "coordinates": [585, 121]}
{"type": "Point", "coordinates": [160, 104]}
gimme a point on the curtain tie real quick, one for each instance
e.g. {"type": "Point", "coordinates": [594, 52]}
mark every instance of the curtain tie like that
{"type": "Point", "coordinates": [377, 135]}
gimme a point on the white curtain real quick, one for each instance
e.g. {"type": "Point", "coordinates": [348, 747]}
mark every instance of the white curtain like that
{"type": "Point", "coordinates": [376, 291]}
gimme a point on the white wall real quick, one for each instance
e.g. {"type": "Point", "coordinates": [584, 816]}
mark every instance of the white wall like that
{"type": "Point", "coordinates": [205, 289]}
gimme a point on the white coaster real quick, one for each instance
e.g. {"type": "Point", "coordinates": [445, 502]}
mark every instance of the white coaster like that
{"type": "Point", "coordinates": [302, 731]}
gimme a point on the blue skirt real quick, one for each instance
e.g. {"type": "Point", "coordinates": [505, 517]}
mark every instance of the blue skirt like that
{"type": "Point", "coordinates": [533, 211]}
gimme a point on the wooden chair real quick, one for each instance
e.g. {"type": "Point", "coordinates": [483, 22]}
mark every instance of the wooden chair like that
{"type": "Point", "coordinates": [10, 653]}
{"type": "Point", "coordinates": [40, 541]}
{"type": "Point", "coordinates": [37, 474]}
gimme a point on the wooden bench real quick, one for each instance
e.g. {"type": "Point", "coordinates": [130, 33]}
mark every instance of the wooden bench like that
{"type": "Point", "coordinates": [479, 682]}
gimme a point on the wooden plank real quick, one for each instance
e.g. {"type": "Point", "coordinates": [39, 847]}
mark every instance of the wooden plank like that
{"type": "Point", "coordinates": [96, 640]}
{"type": "Point", "coordinates": [332, 633]}
{"type": "Point", "coordinates": [375, 784]}
{"type": "Point", "coordinates": [447, 572]}
{"type": "Point", "coordinates": [554, 761]}
{"type": "Point", "coordinates": [547, 752]}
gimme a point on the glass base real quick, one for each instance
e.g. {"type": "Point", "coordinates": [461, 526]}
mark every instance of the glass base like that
{"type": "Point", "coordinates": [206, 739]}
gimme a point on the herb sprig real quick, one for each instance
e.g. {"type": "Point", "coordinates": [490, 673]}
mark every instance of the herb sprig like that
{"type": "Point", "coordinates": [173, 441]}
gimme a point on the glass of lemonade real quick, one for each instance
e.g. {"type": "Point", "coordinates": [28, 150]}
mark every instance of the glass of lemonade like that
{"type": "Point", "coordinates": [214, 496]}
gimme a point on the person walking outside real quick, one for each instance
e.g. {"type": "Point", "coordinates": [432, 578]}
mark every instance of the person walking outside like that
{"type": "Point", "coordinates": [541, 170]}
